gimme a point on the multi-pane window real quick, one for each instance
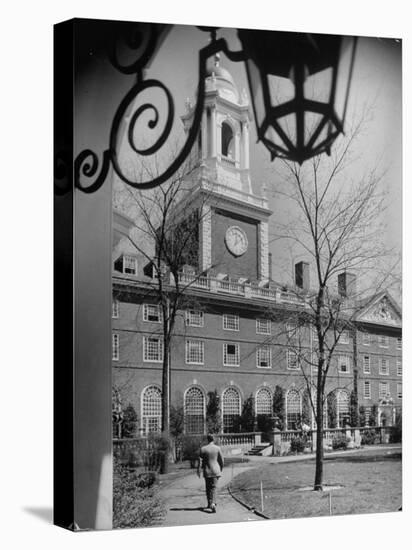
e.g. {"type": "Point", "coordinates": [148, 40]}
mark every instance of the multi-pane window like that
{"type": "Point", "coordinates": [366, 338]}
{"type": "Point", "coordinates": [195, 351]}
{"type": "Point", "coordinates": [383, 366]}
{"type": "Point", "coordinates": [367, 389]}
{"type": "Point", "coordinates": [115, 347]}
{"type": "Point", "coordinates": [399, 390]}
{"type": "Point", "coordinates": [293, 409]}
{"type": "Point", "coordinates": [366, 364]}
{"type": "Point", "coordinates": [264, 357]}
{"type": "Point", "coordinates": [292, 359]}
{"type": "Point", "coordinates": [194, 411]}
{"type": "Point", "coordinates": [153, 349]}
{"type": "Point", "coordinates": [115, 309]}
{"type": "Point", "coordinates": [399, 343]}
{"type": "Point", "coordinates": [263, 402]}
{"type": "Point", "coordinates": [292, 332]}
{"type": "Point", "coordinates": [230, 322]}
{"type": "Point", "coordinates": [383, 341]}
{"type": "Point", "coordinates": [343, 408]}
{"type": "Point", "coordinates": [383, 390]}
{"type": "Point", "coordinates": [231, 354]}
{"type": "Point", "coordinates": [315, 339]}
{"type": "Point", "coordinates": [129, 265]}
{"type": "Point", "coordinates": [152, 312]}
{"type": "Point", "coordinates": [344, 363]}
{"type": "Point", "coordinates": [344, 337]}
{"type": "Point", "coordinates": [367, 415]}
{"type": "Point", "coordinates": [151, 410]}
{"type": "Point", "coordinates": [263, 326]}
{"type": "Point", "coordinates": [194, 318]}
{"type": "Point", "coordinates": [230, 409]}
{"type": "Point", "coordinates": [399, 368]}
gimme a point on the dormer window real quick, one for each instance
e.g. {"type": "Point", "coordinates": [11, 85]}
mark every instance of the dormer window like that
{"type": "Point", "coordinates": [126, 264]}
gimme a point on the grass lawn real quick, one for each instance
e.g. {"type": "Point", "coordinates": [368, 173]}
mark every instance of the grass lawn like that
{"type": "Point", "coordinates": [370, 483]}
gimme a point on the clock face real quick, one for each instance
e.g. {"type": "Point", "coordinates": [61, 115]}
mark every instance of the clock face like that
{"type": "Point", "coordinates": [236, 240]}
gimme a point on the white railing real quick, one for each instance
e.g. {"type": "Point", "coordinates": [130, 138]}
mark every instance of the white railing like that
{"type": "Point", "coordinates": [247, 290]}
{"type": "Point", "coordinates": [230, 287]}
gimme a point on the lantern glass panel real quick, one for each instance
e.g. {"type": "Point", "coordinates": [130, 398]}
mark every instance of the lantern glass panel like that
{"type": "Point", "coordinates": [344, 76]}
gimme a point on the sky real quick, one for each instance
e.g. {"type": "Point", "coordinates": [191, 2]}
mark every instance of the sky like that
{"type": "Point", "coordinates": [376, 82]}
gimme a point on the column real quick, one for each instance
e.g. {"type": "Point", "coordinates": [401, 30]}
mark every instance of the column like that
{"type": "Point", "coordinates": [213, 132]}
{"type": "Point", "coordinates": [245, 140]}
{"type": "Point", "coordinates": [204, 134]}
{"type": "Point", "coordinates": [237, 149]}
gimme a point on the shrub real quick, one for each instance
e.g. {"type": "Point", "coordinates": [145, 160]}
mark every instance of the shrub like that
{"type": "Point", "coordinates": [339, 442]}
{"type": "Point", "coordinates": [247, 418]}
{"type": "Point", "coordinates": [134, 505]}
{"type": "Point", "coordinates": [297, 444]}
{"type": "Point", "coordinates": [396, 432]}
{"type": "Point", "coordinates": [213, 416]}
{"type": "Point", "coordinates": [279, 406]}
{"type": "Point", "coordinates": [129, 422]}
{"type": "Point", "coordinates": [369, 437]}
{"type": "Point", "coordinates": [191, 447]}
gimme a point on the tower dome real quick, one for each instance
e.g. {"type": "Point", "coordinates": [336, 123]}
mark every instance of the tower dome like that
{"type": "Point", "coordinates": [222, 80]}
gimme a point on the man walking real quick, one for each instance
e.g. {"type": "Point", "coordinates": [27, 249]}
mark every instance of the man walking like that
{"type": "Point", "coordinates": [211, 462]}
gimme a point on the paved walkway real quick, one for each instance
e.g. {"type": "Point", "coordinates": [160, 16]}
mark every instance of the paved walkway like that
{"type": "Point", "coordinates": [185, 496]}
{"type": "Point", "coordinates": [185, 500]}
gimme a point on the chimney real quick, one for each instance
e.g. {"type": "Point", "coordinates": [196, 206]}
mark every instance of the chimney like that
{"type": "Point", "coordinates": [302, 275]}
{"type": "Point", "coordinates": [346, 284]}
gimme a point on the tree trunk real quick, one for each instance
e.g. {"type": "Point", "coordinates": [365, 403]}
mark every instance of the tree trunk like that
{"type": "Point", "coordinates": [319, 431]}
{"type": "Point", "coordinates": [164, 465]}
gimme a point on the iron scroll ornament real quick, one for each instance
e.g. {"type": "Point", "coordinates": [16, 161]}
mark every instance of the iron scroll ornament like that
{"type": "Point", "coordinates": [86, 164]}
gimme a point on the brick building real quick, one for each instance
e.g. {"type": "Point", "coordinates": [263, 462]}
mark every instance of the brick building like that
{"type": "Point", "coordinates": [240, 338]}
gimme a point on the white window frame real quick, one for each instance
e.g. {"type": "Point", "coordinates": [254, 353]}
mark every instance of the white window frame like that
{"type": "Point", "coordinates": [233, 317]}
{"type": "Point", "coordinates": [367, 393]}
{"type": "Point", "coordinates": [115, 346]}
{"type": "Point", "coordinates": [195, 318]}
{"type": "Point", "coordinates": [289, 353]}
{"type": "Point", "coordinates": [261, 350]}
{"type": "Point", "coordinates": [201, 351]}
{"type": "Point", "coordinates": [387, 393]}
{"type": "Point", "coordinates": [115, 308]}
{"type": "Point", "coordinates": [381, 368]}
{"type": "Point", "coordinates": [344, 337]}
{"type": "Point", "coordinates": [399, 343]}
{"type": "Point", "coordinates": [226, 355]}
{"type": "Point", "coordinates": [260, 329]}
{"type": "Point", "coordinates": [346, 359]}
{"type": "Point", "coordinates": [383, 341]}
{"type": "Point", "coordinates": [146, 340]}
{"type": "Point", "coordinates": [398, 367]}
{"type": "Point", "coordinates": [293, 332]}
{"type": "Point", "coordinates": [147, 314]}
{"type": "Point", "coordinates": [366, 338]}
{"type": "Point", "coordinates": [399, 390]}
{"type": "Point", "coordinates": [367, 364]}
{"type": "Point", "coordinates": [131, 259]}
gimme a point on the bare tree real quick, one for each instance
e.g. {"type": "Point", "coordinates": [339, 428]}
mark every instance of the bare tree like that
{"type": "Point", "coordinates": [166, 235]}
{"type": "Point", "coordinates": [336, 222]}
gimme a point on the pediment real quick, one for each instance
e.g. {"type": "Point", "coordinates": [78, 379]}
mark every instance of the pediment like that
{"type": "Point", "coordinates": [383, 311]}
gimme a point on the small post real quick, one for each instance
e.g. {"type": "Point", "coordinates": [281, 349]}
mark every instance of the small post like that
{"type": "Point", "coordinates": [261, 496]}
{"type": "Point", "coordinates": [330, 502]}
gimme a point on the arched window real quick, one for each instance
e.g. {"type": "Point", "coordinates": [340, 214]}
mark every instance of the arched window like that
{"type": "Point", "coordinates": [343, 408]}
{"type": "Point", "coordinates": [194, 411]}
{"type": "Point", "coordinates": [264, 402]}
{"type": "Point", "coordinates": [293, 409]}
{"type": "Point", "coordinates": [230, 410]}
{"type": "Point", "coordinates": [151, 409]}
{"type": "Point", "coordinates": [228, 143]}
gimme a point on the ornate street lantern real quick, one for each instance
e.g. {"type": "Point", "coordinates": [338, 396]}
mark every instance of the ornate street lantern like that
{"type": "Point", "coordinates": [299, 85]}
{"type": "Point", "coordinates": [312, 72]}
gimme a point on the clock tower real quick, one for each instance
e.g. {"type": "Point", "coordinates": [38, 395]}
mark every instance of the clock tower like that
{"type": "Point", "coordinates": [233, 235]}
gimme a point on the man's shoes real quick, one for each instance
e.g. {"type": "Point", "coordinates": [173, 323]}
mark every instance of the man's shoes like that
{"type": "Point", "coordinates": [213, 508]}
